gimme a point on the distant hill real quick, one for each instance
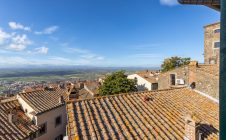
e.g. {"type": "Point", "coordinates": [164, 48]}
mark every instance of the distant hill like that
{"type": "Point", "coordinates": [60, 70]}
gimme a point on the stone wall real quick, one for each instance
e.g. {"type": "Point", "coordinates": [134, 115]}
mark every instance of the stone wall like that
{"type": "Point", "coordinates": [211, 54]}
{"type": "Point", "coordinates": [180, 73]}
{"type": "Point", "coordinates": [205, 82]}
{"type": "Point", "coordinates": [205, 77]}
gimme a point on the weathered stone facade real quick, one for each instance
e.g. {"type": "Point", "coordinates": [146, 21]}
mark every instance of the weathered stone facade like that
{"type": "Point", "coordinates": [164, 79]}
{"type": "Point", "coordinates": [205, 77]}
{"type": "Point", "coordinates": [212, 43]}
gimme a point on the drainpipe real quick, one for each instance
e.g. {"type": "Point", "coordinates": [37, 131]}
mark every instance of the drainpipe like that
{"type": "Point", "coordinates": [223, 72]}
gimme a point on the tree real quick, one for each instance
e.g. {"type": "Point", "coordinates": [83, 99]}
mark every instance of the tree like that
{"type": "Point", "coordinates": [174, 62]}
{"type": "Point", "coordinates": [117, 83]}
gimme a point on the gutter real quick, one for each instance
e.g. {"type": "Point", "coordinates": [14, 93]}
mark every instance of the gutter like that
{"type": "Point", "coordinates": [207, 96]}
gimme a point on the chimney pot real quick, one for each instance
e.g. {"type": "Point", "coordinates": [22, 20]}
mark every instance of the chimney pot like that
{"type": "Point", "coordinates": [191, 132]}
{"type": "Point", "coordinates": [61, 99]}
{"type": "Point", "coordinates": [10, 117]}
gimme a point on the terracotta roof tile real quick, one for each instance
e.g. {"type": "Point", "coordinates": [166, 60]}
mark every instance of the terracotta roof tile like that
{"type": "Point", "coordinates": [92, 86]}
{"type": "Point", "coordinates": [128, 116]}
{"type": "Point", "coordinates": [20, 128]}
{"type": "Point", "coordinates": [150, 76]}
{"type": "Point", "coordinates": [42, 101]}
{"type": "Point", "coordinates": [84, 94]}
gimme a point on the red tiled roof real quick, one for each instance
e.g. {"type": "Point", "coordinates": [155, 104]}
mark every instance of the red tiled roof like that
{"type": "Point", "coordinates": [129, 116]}
{"type": "Point", "coordinates": [46, 100]}
{"type": "Point", "coordinates": [150, 76]}
{"type": "Point", "coordinates": [21, 128]}
{"type": "Point", "coordinates": [84, 94]}
{"type": "Point", "coordinates": [92, 86]}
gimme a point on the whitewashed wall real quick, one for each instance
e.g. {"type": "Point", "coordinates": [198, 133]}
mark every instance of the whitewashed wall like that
{"type": "Point", "coordinates": [141, 82]}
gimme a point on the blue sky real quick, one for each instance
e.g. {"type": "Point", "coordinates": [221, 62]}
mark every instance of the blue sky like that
{"type": "Point", "coordinates": [100, 32]}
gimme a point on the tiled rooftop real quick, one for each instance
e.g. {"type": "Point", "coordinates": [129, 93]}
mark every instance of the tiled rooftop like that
{"type": "Point", "coordinates": [20, 128]}
{"type": "Point", "coordinates": [46, 100]}
{"type": "Point", "coordinates": [150, 76]}
{"type": "Point", "coordinates": [129, 116]}
{"type": "Point", "coordinates": [93, 86]}
{"type": "Point", "coordinates": [84, 94]}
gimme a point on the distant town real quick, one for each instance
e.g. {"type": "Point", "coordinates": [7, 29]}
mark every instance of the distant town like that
{"type": "Point", "coordinates": [14, 81]}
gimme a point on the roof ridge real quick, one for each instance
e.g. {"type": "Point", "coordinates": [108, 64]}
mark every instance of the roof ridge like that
{"type": "Point", "coordinates": [8, 100]}
{"type": "Point", "coordinates": [217, 22]}
{"type": "Point", "coordinates": [39, 91]}
{"type": "Point", "coordinates": [121, 94]}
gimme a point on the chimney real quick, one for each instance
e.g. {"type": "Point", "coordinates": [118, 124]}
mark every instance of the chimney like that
{"type": "Point", "coordinates": [61, 100]}
{"type": "Point", "coordinates": [11, 117]}
{"type": "Point", "coordinates": [193, 63]}
{"type": "Point", "coordinates": [191, 132]}
{"type": "Point", "coordinates": [81, 85]}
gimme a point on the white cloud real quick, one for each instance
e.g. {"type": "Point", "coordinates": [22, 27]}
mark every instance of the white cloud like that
{"type": "Point", "coordinates": [76, 50]}
{"type": "Point", "coordinates": [14, 60]}
{"type": "Point", "coordinates": [92, 57]}
{"type": "Point", "coordinates": [18, 26]}
{"type": "Point", "coordinates": [41, 50]}
{"type": "Point", "coordinates": [8, 61]}
{"type": "Point", "coordinates": [84, 54]}
{"type": "Point", "coordinates": [169, 2]}
{"type": "Point", "coordinates": [146, 55]}
{"type": "Point", "coordinates": [58, 59]}
{"type": "Point", "coordinates": [3, 36]}
{"type": "Point", "coordinates": [19, 43]}
{"type": "Point", "coordinates": [48, 30]}
{"type": "Point", "coordinates": [16, 47]}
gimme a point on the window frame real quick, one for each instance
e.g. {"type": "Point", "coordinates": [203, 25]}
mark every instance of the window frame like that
{"type": "Point", "coordinates": [56, 125]}
{"type": "Point", "coordinates": [216, 29]}
{"type": "Point", "coordinates": [170, 80]}
{"type": "Point", "coordinates": [213, 46]}
{"type": "Point", "coordinates": [40, 134]}
{"type": "Point", "coordinates": [59, 137]}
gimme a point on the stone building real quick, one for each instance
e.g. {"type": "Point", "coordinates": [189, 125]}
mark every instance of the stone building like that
{"type": "Point", "coordinates": [84, 90]}
{"type": "Point", "coordinates": [204, 78]}
{"type": "Point", "coordinates": [46, 108]}
{"type": "Point", "coordinates": [177, 77]}
{"type": "Point", "coordinates": [212, 43]}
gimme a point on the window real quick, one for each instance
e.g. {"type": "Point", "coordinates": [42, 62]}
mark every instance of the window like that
{"type": "Point", "coordinates": [43, 129]}
{"type": "Point", "coordinates": [212, 61]}
{"type": "Point", "coordinates": [32, 136]}
{"type": "Point", "coordinates": [154, 86]}
{"type": "Point", "coordinates": [60, 137]}
{"type": "Point", "coordinates": [57, 121]}
{"type": "Point", "coordinates": [172, 79]}
{"type": "Point", "coordinates": [216, 44]}
{"type": "Point", "coordinates": [135, 79]}
{"type": "Point", "coordinates": [217, 31]}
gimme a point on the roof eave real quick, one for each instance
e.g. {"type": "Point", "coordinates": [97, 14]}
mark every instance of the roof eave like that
{"type": "Point", "coordinates": [214, 5]}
